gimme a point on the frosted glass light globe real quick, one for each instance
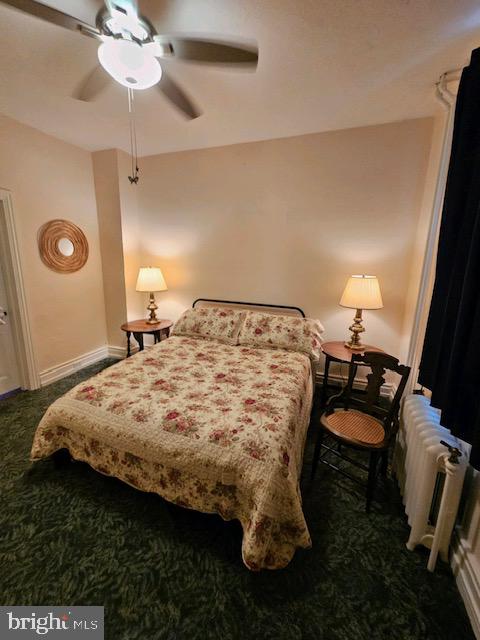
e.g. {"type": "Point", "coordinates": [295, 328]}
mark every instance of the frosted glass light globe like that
{"type": "Point", "coordinates": [129, 64]}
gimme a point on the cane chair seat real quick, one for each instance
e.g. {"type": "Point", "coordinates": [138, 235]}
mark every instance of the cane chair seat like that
{"type": "Point", "coordinates": [370, 426]}
{"type": "Point", "coordinates": [356, 426]}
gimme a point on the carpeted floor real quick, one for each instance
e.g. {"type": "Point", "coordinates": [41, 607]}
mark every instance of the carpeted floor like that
{"type": "Point", "coordinates": [73, 536]}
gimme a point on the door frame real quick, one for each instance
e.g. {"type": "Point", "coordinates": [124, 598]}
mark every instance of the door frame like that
{"type": "Point", "coordinates": [15, 287]}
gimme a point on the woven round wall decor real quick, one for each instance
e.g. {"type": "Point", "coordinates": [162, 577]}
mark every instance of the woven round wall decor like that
{"type": "Point", "coordinates": [62, 232]}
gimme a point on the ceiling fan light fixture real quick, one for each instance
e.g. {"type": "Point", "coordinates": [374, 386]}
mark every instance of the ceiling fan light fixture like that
{"type": "Point", "coordinates": [129, 64]}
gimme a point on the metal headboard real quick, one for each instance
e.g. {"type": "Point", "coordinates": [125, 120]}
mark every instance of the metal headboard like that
{"type": "Point", "coordinates": [251, 304]}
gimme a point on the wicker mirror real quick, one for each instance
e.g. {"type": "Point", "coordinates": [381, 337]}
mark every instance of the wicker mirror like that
{"type": "Point", "coordinates": [63, 246]}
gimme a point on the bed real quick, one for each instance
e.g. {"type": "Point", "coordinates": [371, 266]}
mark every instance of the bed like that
{"type": "Point", "coordinates": [213, 419]}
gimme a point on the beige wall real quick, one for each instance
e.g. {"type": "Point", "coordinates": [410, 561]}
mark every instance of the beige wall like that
{"type": "Point", "coordinates": [120, 240]}
{"type": "Point", "coordinates": [107, 193]}
{"type": "Point", "coordinates": [420, 240]}
{"type": "Point", "coordinates": [282, 221]}
{"type": "Point", "coordinates": [132, 233]}
{"type": "Point", "coordinates": [51, 179]}
{"type": "Point", "coordinates": [287, 221]}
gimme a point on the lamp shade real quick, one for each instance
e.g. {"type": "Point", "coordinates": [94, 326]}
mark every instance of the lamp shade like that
{"type": "Point", "coordinates": [150, 279]}
{"type": "Point", "coordinates": [362, 292]}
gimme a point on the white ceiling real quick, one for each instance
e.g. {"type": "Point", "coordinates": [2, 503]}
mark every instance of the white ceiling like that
{"type": "Point", "coordinates": [324, 64]}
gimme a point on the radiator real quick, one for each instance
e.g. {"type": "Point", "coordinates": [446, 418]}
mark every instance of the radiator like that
{"type": "Point", "coordinates": [430, 480]}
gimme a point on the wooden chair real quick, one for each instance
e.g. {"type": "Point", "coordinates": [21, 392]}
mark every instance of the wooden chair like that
{"type": "Point", "coordinates": [360, 422]}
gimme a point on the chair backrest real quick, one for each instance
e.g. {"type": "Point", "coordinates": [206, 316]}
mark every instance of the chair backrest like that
{"type": "Point", "coordinates": [369, 401]}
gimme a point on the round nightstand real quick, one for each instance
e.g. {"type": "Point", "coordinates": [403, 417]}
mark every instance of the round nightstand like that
{"type": "Point", "coordinates": [338, 352]}
{"type": "Point", "coordinates": [160, 330]}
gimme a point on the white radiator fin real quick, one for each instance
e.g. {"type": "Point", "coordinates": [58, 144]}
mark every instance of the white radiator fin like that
{"type": "Point", "coordinates": [418, 458]}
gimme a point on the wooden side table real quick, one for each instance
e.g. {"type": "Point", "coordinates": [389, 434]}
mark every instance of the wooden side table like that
{"type": "Point", "coordinates": [160, 330]}
{"type": "Point", "coordinates": [338, 352]}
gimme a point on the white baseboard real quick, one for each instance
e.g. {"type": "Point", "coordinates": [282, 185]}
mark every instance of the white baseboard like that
{"type": "Point", "coordinates": [387, 390]}
{"type": "Point", "coordinates": [117, 352]}
{"type": "Point", "coordinates": [59, 371]}
{"type": "Point", "coordinates": [466, 570]}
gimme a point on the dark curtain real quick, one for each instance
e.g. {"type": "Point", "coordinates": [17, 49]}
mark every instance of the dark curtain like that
{"type": "Point", "coordinates": [450, 363]}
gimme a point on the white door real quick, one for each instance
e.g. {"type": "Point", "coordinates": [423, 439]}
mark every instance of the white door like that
{"type": "Point", "coordinates": [9, 376]}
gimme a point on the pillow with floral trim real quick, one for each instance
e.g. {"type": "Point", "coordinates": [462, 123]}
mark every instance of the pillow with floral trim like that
{"type": "Point", "coordinates": [219, 323]}
{"type": "Point", "coordinates": [282, 332]}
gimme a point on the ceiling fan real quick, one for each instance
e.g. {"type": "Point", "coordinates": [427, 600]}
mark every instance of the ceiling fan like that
{"type": "Point", "coordinates": [131, 49]}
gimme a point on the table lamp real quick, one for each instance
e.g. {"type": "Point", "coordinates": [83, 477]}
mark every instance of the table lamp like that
{"type": "Point", "coordinates": [361, 292]}
{"type": "Point", "coordinates": [151, 279]}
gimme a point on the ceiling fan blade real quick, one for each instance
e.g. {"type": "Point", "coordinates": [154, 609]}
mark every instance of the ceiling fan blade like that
{"type": "Point", "coordinates": [53, 16]}
{"type": "Point", "coordinates": [209, 51]}
{"type": "Point", "coordinates": [92, 85]}
{"type": "Point", "coordinates": [178, 97]}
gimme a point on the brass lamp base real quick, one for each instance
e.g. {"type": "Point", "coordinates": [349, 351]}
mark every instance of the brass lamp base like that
{"type": "Point", "coordinates": [356, 328]}
{"type": "Point", "coordinates": [152, 307]}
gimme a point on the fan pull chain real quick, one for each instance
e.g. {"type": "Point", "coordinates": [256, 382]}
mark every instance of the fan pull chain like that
{"type": "Point", "coordinates": [133, 138]}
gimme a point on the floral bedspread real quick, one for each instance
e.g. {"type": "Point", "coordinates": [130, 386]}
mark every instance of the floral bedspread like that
{"type": "Point", "coordinates": [209, 426]}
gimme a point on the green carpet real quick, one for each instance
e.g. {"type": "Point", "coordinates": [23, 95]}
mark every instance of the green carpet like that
{"type": "Point", "coordinates": [74, 537]}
